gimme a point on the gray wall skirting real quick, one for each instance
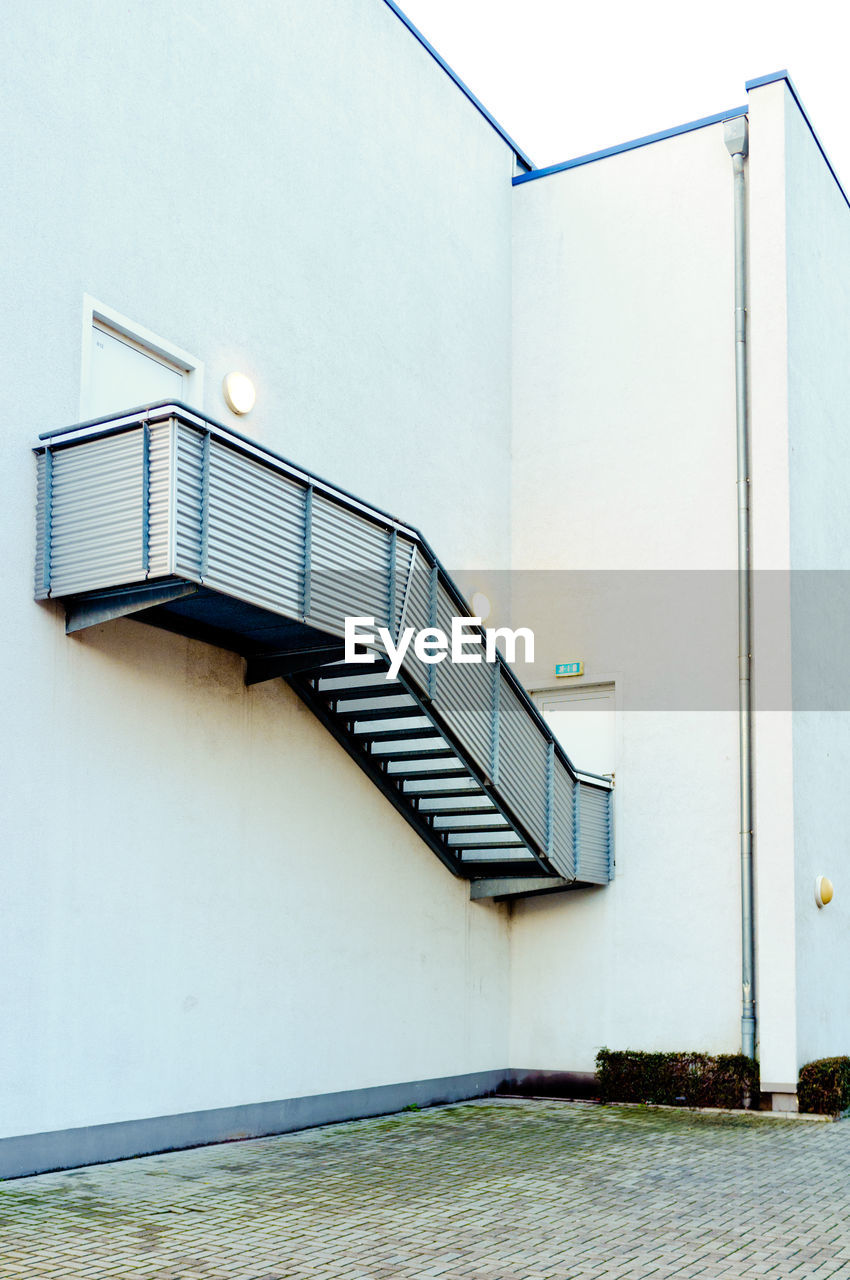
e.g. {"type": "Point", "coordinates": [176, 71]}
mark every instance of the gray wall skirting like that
{"type": "Point", "coordinates": [95, 1144]}
{"type": "Point", "coordinates": [550, 1084]}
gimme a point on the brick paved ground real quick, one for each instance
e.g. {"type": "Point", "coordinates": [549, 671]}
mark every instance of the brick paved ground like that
{"type": "Point", "coordinates": [493, 1190]}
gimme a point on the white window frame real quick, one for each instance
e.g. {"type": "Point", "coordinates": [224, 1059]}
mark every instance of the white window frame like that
{"type": "Point", "coordinates": [97, 315]}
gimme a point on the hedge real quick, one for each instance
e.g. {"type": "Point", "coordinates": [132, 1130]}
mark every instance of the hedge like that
{"type": "Point", "coordinates": [728, 1080]}
{"type": "Point", "coordinates": [824, 1086]}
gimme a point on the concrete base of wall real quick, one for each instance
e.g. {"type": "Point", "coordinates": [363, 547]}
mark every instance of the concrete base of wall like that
{"type": "Point", "coordinates": [69, 1148]}
{"type": "Point", "coordinates": [779, 1095]}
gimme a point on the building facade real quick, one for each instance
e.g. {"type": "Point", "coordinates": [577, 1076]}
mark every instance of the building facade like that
{"type": "Point", "coordinates": [214, 922]}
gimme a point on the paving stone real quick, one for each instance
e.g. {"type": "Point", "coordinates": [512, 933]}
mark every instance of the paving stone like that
{"type": "Point", "coordinates": [497, 1189]}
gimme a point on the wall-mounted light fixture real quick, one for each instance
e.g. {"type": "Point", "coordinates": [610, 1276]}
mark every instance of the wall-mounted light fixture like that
{"type": "Point", "coordinates": [239, 393]}
{"type": "Point", "coordinates": [823, 891]}
{"type": "Point", "coordinates": [480, 606]}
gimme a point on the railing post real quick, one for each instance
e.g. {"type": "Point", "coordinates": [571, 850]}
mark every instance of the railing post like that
{"type": "Point", "coordinates": [406, 597]}
{"type": "Point", "coordinates": [146, 498]}
{"type": "Point", "coordinates": [308, 550]}
{"type": "Point", "coordinates": [205, 503]}
{"type": "Point", "coordinates": [48, 517]}
{"type": "Point", "coordinates": [576, 827]}
{"type": "Point", "coordinates": [432, 622]}
{"type": "Point", "coordinates": [392, 583]}
{"type": "Point", "coordinates": [494, 723]}
{"type": "Point", "coordinates": [550, 798]}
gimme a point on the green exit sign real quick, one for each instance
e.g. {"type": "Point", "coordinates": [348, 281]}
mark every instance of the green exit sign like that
{"type": "Point", "coordinates": [569, 669]}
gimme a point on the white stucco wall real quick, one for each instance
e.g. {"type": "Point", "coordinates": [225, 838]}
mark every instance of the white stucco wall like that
{"type": "Point", "coordinates": [208, 905]}
{"type": "Point", "coordinates": [818, 255]}
{"type": "Point", "coordinates": [624, 469]}
{"type": "Point", "coordinates": [205, 903]}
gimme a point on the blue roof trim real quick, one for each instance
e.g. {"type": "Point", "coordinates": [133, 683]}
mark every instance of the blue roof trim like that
{"type": "Point", "coordinates": [479, 106]}
{"type": "Point", "coordinates": [783, 75]}
{"type": "Point", "coordinates": [771, 79]}
{"type": "Point", "coordinates": [630, 146]}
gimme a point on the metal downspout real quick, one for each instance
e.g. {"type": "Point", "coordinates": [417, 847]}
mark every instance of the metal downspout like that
{"type": "Point", "coordinates": [735, 133]}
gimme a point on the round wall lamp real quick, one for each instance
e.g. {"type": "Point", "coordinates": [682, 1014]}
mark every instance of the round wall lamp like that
{"type": "Point", "coordinates": [480, 606]}
{"type": "Point", "coordinates": [823, 891]}
{"type": "Point", "coordinates": [239, 393]}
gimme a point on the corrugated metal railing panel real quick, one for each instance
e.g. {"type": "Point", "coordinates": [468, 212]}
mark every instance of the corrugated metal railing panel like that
{"type": "Point", "coordinates": [189, 486]}
{"type": "Point", "coordinates": [160, 499]}
{"type": "Point", "coordinates": [594, 835]}
{"type": "Point", "coordinates": [563, 789]}
{"type": "Point", "coordinates": [349, 566]}
{"type": "Point", "coordinates": [464, 692]}
{"type": "Point", "coordinates": [523, 751]}
{"type": "Point", "coordinates": [97, 514]}
{"type": "Point", "coordinates": [254, 531]}
{"type": "Point", "coordinates": [42, 568]}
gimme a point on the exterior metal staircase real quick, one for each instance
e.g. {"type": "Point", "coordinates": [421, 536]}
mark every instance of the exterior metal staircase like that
{"type": "Point", "coordinates": [166, 516]}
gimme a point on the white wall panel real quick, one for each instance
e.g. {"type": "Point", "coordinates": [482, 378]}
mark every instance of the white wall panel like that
{"type": "Point", "coordinates": [818, 248]}
{"type": "Point", "coordinates": [623, 494]}
{"type": "Point", "coordinates": [297, 191]}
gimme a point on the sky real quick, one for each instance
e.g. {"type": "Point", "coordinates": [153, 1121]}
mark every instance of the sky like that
{"type": "Point", "coordinates": [564, 78]}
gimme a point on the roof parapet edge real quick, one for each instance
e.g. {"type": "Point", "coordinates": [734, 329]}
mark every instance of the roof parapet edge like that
{"type": "Point", "coordinates": [476, 102]}
{"type": "Point", "coordinates": [633, 145]}
{"type": "Point", "coordinates": [774, 78]}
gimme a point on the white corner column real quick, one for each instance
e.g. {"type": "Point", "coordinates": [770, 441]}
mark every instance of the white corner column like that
{"type": "Point", "coordinates": [773, 803]}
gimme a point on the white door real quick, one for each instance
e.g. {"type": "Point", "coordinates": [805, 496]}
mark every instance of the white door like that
{"type": "Point", "coordinates": [124, 374]}
{"type": "Point", "coordinates": [584, 722]}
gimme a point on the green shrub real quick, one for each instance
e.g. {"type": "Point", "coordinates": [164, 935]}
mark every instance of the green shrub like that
{"type": "Point", "coordinates": [824, 1086]}
{"type": "Point", "coordinates": [677, 1079]}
